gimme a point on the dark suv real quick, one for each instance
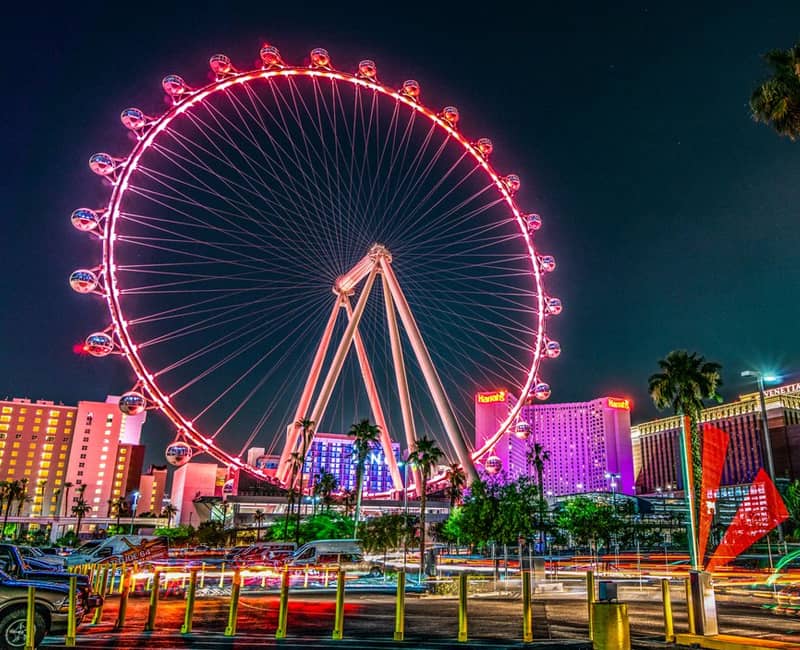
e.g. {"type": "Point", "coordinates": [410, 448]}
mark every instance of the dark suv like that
{"type": "Point", "coordinates": [51, 616]}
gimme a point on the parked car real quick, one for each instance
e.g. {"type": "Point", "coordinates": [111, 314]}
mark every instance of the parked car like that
{"type": "Point", "coordinates": [19, 568]}
{"type": "Point", "coordinates": [263, 554]}
{"type": "Point", "coordinates": [115, 547]}
{"type": "Point", "coordinates": [347, 554]}
{"type": "Point", "coordinates": [33, 554]}
{"type": "Point", "coordinates": [51, 615]}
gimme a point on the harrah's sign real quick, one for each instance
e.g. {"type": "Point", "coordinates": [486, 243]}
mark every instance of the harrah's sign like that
{"type": "Point", "coordinates": [491, 398]}
{"type": "Point", "coordinates": [619, 403]}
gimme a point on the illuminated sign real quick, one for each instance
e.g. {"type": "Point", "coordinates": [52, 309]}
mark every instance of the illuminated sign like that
{"type": "Point", "coordinates": [491, 398]}
{"type": "Point", "coordinates": [617, 403]}
{"type": "Point", "coordinates": [782, 390]}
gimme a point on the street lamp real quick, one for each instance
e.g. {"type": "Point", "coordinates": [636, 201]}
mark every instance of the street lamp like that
{"type": "Point", "coordinates": [760, 379]}
{"type": "Point", "coordinates": [613, 477]}
{"type": "Point", "coordinates": [404, 464]}
{"type": "Point", "coordinates": [136, 496]}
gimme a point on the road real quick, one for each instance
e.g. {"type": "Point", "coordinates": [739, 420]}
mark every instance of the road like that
{"type": "Point", "coordinates": [495, 620]}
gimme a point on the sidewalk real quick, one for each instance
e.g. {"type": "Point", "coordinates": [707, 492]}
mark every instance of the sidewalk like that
{"type": "Point", "coordinates": [730, 642]}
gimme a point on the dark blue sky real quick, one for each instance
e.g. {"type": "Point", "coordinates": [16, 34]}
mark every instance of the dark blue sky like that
{"type": "Point", "coordinates": [673, 216]}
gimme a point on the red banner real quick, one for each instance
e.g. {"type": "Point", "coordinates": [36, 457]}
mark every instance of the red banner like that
{"type": "Point", "coordinates": [715, 448]}
{"type": "Point", "coordinates": [760, 511]}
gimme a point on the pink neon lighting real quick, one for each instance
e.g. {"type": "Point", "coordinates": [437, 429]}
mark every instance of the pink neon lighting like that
{"type": "Point", "coordinates": [191, 97]}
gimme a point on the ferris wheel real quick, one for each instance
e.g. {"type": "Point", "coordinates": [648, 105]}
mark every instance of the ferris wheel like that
{"type": "Point", "coordinates": [298, 242]}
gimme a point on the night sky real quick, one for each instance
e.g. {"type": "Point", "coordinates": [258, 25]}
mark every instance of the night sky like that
{"type": "Point", "coordinates": [673, 216]}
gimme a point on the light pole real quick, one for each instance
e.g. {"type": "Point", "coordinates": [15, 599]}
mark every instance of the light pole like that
{"type": "Point", "coordinates": [133, 514]}
{"type": "Point", "coordinates": [760, 378]}
{"type": "Point", "coordinates": [404, 464]}
{"type": "Point", "coordinates": [613, 476]}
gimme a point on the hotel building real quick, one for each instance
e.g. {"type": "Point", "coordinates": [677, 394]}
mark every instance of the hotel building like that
{"type": "Point", "coordinates": [589, 442]}
{"type": "Point", "coordinates": [656, 450]}
{"type": "Point", "coordinates": [48, 445]}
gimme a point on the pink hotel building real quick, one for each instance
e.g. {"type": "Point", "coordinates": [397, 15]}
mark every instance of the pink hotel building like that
{"type": "Point", "coordinates": [589, 442]}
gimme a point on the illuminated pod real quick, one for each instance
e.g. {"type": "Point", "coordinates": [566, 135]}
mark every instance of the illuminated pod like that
{"type": "Point", "coordinates": [99, 344]}
{"type": "Point", "coordinates": [410, 89]}
{"type": "Point", "coordinates": [513, 183]}
{"type": "Point", "coordinates": [522, 430]}
{"type": "Point", "coordinates": [220, 65]}
{"type": "Point", "coordinates": [548, 263]}
{"type": "Point", "coordinates": [270, 57]}
{"type": "Point", "coordinates": [553, 306]}
{"type": "Point", "coordinates": [320, 58]}
{"type": "Point", "coordinates": [102, 164]}
{"type": "Point", "coordinates": [133, 119]}
{"type": "Point", "coordinates": [450, 115]}
{"type": "Point", "coordinates": [552, 349]}
{"type": "Point", "coordinates": [178, 453]}
{"type": "Point", "coordinates": [484, 147]}
{"type": "Point", "coordinates": [132, 403]}
{"type": "Point", "coordinates": [175, 86]}
{"type": "Point", "coordinates": [84, 219]}
{"type": "Point", "coordinates": [493, 464]}
{"type": "Point", "coordinates": [534, 222]}
{"type": "Point", "coordinates": [83, 281]}
{"type": "Point", "coordinates": [367, 69]}
{"type": "Point", "coordinates": [541, 391]}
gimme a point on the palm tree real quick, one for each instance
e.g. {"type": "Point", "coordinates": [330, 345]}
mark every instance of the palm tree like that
{"type": "Point", "coordinates": [348, 501]}
{"type": "Point", "coordinates": [80, 510]}
{"type": "Point", "coordinates": [296, 465]}
{"type": "Point", "coordinates": [457, 481]}
{"type": "Point", "coordinates": [325, 487]}
{"type": "Point", "coordinates": [424, 458]}
{"type": "Point", "coordinates": [308, 433]}
{"type": "Point", "coordinates": [67, 486]}
{"type": "Point", "coordinates": [259, 516]}
{"type": "Point", "coordinates": [10, 493]}
{"type": "Point", "coordinates": [777, 100]}
{"type": "Point", "coordinates": [365, 435]}
{"type": "Point", "coordinates": [169, 511]}
{"type": "Point", "coordinates": [537, 456]}
{"type": "Point", "coordinates": [684, 383]}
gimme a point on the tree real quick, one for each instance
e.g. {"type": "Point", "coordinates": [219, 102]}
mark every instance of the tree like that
{"type": "Point", "coordinates": [348, 501]}
{"type": "Point", "coordinates": [365, 436]}
{"type": "Point", "coordinates": [537, 456]}
{"type": "Point", "coordinates": [67, 486]}
{"type": "Point", "coordinates": [792, 501]}
{"type": "Point", "coordinates": [296, 464]}
{"type": "Point", "coordinates": [325, 487]}
{"type": "Point", "coordinates": [588, 521]}
{"type": "Point", "coordinates": [308, 433]}
{"type": "Point", "coordinates": [456, 482]}
{"type": "Point", "coordinates": [80, 510]}
{"type": "Point", "coordinates": [424, 458]}
{"type": "Point", "coordinates": [684, 383]}
{"type": "Point", "coordinates": [777, 100]}
{"type": "Point", "coordinates": [259, 516]}
{"type": "Point", "coordinates": [169, 512]}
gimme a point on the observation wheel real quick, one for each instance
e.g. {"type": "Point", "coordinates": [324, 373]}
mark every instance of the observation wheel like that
{"type": "Point", "coordinates": [296, 241]}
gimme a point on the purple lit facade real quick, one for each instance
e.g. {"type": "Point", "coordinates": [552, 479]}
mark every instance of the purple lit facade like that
{"type": "Point", "coordinates": [589, 442]}
{"type": "Point", "coordinates": [332, 452]}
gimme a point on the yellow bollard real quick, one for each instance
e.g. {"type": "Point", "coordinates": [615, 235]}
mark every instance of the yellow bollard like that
{"type": "Point", "coordinates": [154, 593]}
{"type": "Point", "coordinates": [463, 585]}
{"type": "Point", "coordinates": [125, 580]}
{"type": "Point", "coordinates": [98, 613]}
{"type": "Point", "coordinates": [400, 607]}
{"type": "Point", "coordinates": [612, 627]}
{"type": "Point", "coordinates": [283, 606]}
{"type": "Point", "coordinates": [30, 622]}
{"type": "Point", "coordinates": [527, 611]}
{"type": "Point", "coordinates": [590, 600]}
{"type": "Point", "coordinates": [202, 575]}
{"type": "Point", "coordinates": [69, 641]}
{"type": "Point", "coordinates": [222, 576]}
{"type": "Point", "coordinates": [689, 606]}
{"type": "Point", "coordinates": [133, 582]}
{"type": "Point", "coordinates": [264, 580]}
{"type": "Point", "coordinates": [305, 579]}
{"type": "Point", "coordinates": [234, 609]}
{"type": "Point", "coordinates": [669, 628]}
{"type": "Point", "coordinates": [188, 614]}
{"type": "Point", "coordinates": [338, 624]}
{"type": "Point", "coordinates": [325, 583]}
